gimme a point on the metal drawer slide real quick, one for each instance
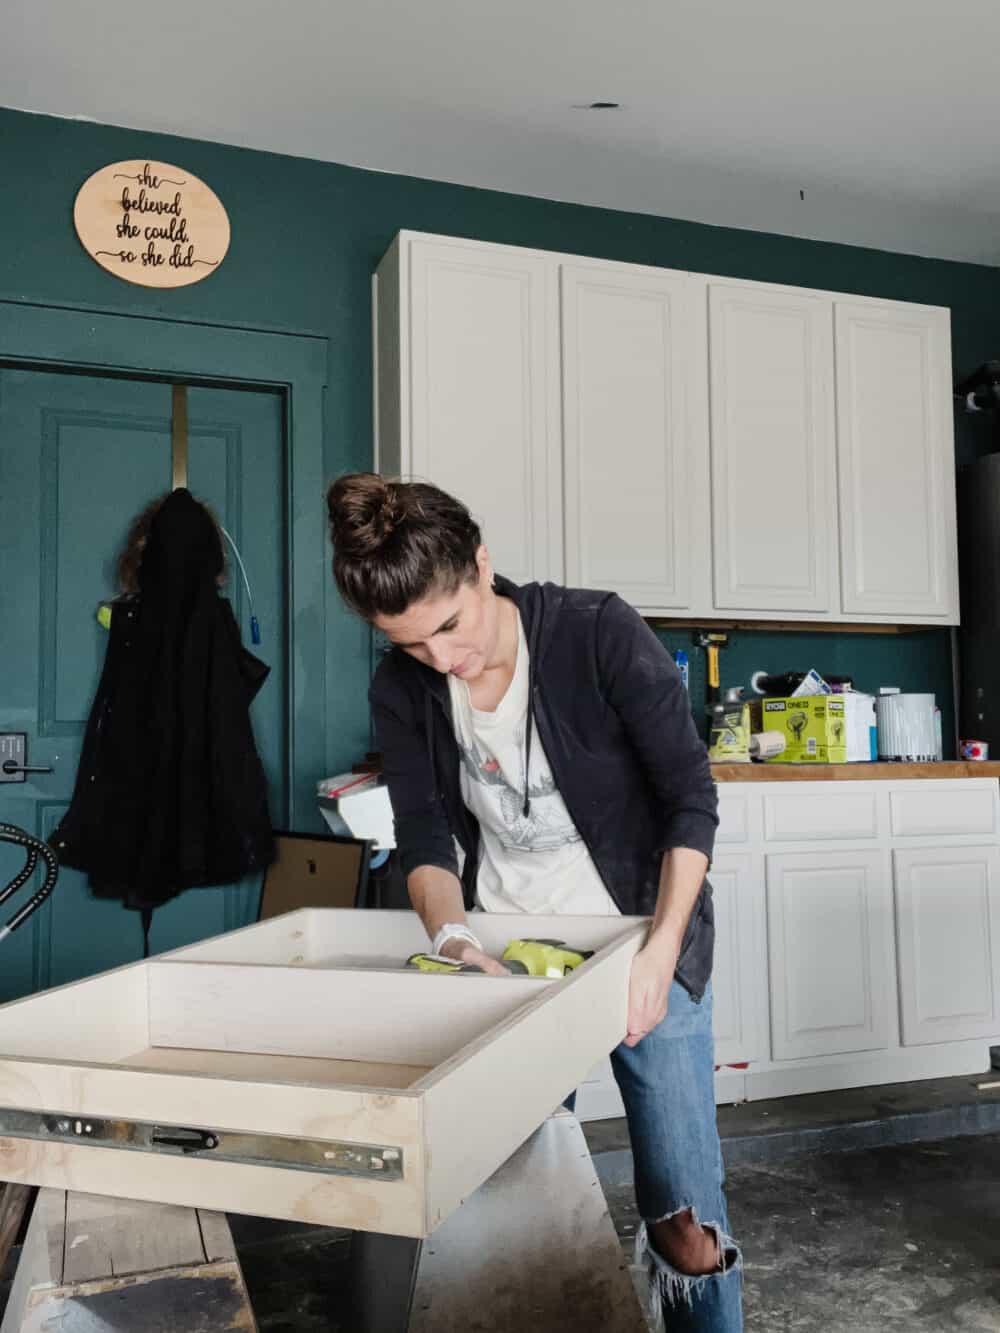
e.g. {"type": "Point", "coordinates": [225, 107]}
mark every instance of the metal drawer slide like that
{"type": "Point", "coordinates": [339, 1159]}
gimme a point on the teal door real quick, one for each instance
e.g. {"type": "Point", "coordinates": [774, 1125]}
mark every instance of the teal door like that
{"type": "Point", "coordinates": [80, 456]}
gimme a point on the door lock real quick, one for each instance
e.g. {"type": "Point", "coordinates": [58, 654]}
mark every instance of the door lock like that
{"type": "Point", "coordinates": [14, 756]}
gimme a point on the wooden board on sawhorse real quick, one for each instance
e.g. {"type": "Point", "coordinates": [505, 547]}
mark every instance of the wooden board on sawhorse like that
{"type": "Point", "coordinates": [534, 1248]}
{"type": "Point", "coordinates": [91, 1262]}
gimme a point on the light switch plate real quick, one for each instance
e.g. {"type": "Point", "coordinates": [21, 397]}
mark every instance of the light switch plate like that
{"type": "Point", "coordinates": [13, 745]}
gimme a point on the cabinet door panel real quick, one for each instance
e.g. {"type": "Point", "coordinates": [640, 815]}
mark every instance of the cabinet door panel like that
{"type": "Point", "coordinates": [948, 931]}
{"type": "Point", "coordinates": [896, 460]}
{"type": "Point", "coordinates": [484, 395]}
{"type": "Point", "coordinates": [739, 977]}
{"type": "Point", "coordinates": [773, 475]}
{"type": "Point", "coordinates": [828, 929]}
{"type": "Point", "coordinates": [629, 347]}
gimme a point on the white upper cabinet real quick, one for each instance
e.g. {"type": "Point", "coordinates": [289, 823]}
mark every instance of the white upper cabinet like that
{"type": "Point", "coordinates": [634, 457]}
{"type": "Point", "coordinates": [896, 456]}
{"type": "Point", "coordinates": [706, 447]}
{"type": "Point", "coordinates": [467, 348]}
{"type": "Point", "coordinates": [774, 508]}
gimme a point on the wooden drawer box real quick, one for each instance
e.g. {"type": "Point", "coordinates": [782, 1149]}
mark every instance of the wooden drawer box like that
{"type": "Point", "coordinates": [292, 1069]}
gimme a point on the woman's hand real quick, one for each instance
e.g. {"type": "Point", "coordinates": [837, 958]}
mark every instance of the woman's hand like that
{"type": "Point", "coordinates": [648, 988]}
{"type": "Point", "coordinates": [464, 952]}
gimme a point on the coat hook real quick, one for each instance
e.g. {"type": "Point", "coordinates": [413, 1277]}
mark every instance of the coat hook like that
{"type": "Point", "coordinates": [179, 437]}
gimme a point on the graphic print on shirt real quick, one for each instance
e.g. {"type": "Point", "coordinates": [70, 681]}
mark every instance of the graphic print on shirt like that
{"type": "Point", "coordinates": [547, 824]}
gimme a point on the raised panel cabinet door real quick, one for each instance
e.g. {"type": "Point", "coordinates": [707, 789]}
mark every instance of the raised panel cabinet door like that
{"type": "Point", "coordinates": [948, 932]}
{"type": "Point", "coordinates": [483, 394]}
{"type": "Point", "coordinates": [774, 502]}
{"type": "Point", "coordinates": [739, 976]}
{"type": "Point", "coordinates": [896, 460]}
{"type": "Point", "coordinates": [636, 516]}
{"type": "Point", "coordinates": [828, 944]}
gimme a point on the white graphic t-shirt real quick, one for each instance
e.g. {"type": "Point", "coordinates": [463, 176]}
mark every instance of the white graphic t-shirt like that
{"type": "Point", "coordinates": [535, 862]}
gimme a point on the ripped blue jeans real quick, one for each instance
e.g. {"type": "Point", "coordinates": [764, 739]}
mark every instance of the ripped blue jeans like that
{"type": "Point", "coordinates": [667, 1085]}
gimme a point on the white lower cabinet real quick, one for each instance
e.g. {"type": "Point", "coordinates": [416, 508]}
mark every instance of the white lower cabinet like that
{"type": "Point", "coordinates": [828, 946]}
{"type": "Point", "coordinates": [739, 983]}
{"type": "Point", "coordinates": [948, 939]}
{"type": "Point", "coordinates": [857, 937]}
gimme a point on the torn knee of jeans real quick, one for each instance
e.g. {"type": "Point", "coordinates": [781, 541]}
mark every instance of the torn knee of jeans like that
{"type": "Point", "coordinates": [669, 1286]}
{"type": "Point", "coordinates": [676, 1246]}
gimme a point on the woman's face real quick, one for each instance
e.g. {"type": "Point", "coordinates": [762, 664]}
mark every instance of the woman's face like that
{"type": "Point", "coordinates": [452, 632]}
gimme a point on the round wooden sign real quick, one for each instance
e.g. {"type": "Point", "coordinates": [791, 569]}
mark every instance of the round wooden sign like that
{"type": "Point", "coordinates": [151, 223]}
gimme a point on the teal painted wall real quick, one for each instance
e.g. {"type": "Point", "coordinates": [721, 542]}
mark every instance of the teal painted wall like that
{"type": "Point", "coordinates": [305, 238]}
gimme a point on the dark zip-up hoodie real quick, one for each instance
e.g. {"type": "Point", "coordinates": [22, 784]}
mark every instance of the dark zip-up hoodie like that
{"type": "Point", "coordinates": [614, 719]}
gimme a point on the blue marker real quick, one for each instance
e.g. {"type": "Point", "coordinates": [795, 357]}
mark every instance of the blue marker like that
{"type": "Point", "coordinates": [681, 662]}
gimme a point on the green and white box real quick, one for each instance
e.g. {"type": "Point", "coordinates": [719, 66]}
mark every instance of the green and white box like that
{"type": "Point", "coordinates": [822, 728]}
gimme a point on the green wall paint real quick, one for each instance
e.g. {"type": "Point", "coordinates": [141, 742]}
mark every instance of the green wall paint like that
{"type": "Point", "coordinates": [306, 237]}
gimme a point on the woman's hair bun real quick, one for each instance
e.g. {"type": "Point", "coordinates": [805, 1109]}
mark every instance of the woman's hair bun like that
{"type": "Point", "coordinates": [365, 510]}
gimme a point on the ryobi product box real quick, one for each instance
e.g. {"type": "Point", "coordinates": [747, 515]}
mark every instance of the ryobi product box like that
{"type": "Point", "coordinates": [821, 728]}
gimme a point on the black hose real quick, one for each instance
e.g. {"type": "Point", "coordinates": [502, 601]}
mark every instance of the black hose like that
{"type": "Point", "coordinates": [34, 848]}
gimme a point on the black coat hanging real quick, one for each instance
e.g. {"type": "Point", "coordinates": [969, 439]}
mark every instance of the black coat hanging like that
{"type": "Point", "coordinates": [170, 793]}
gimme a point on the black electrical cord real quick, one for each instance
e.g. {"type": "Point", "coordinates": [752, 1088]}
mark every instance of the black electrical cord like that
{"type": "Point", "coordinates": [34, 848]}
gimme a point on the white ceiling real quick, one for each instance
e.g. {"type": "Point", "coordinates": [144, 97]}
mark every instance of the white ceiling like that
{"type": "Point", "coordinates": [884, 112]}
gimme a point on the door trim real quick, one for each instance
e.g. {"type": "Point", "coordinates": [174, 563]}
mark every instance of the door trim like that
{"type": "Point", "coordinates": [147, 347]}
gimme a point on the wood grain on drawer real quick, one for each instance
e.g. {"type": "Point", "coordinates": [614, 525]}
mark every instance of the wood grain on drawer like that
{"type": "Point", "coordinates": [809, 816]}
{"type": "Point", "coordinates": [920, 810]}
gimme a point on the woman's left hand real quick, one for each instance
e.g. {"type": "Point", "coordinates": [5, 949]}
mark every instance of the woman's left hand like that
{"type": "Point", "coordinates": [648, 989]}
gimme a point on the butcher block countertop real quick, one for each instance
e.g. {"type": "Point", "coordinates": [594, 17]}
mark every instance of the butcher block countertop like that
{"type": "Point", "coordinates": [852, 772]}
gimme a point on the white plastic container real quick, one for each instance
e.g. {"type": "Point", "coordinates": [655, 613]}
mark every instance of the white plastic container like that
{"type": "Point", "coordinates": [907, 732]}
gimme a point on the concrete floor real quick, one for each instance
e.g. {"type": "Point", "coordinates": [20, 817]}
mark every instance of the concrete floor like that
{"type": "Point", "coordinates": [874, 1241]}
{"type": "Point", "coordinates": [882, 1239]}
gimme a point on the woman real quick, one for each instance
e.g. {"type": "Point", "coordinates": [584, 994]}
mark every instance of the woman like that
{"type": "Point", "coordinates": [541, 757]}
